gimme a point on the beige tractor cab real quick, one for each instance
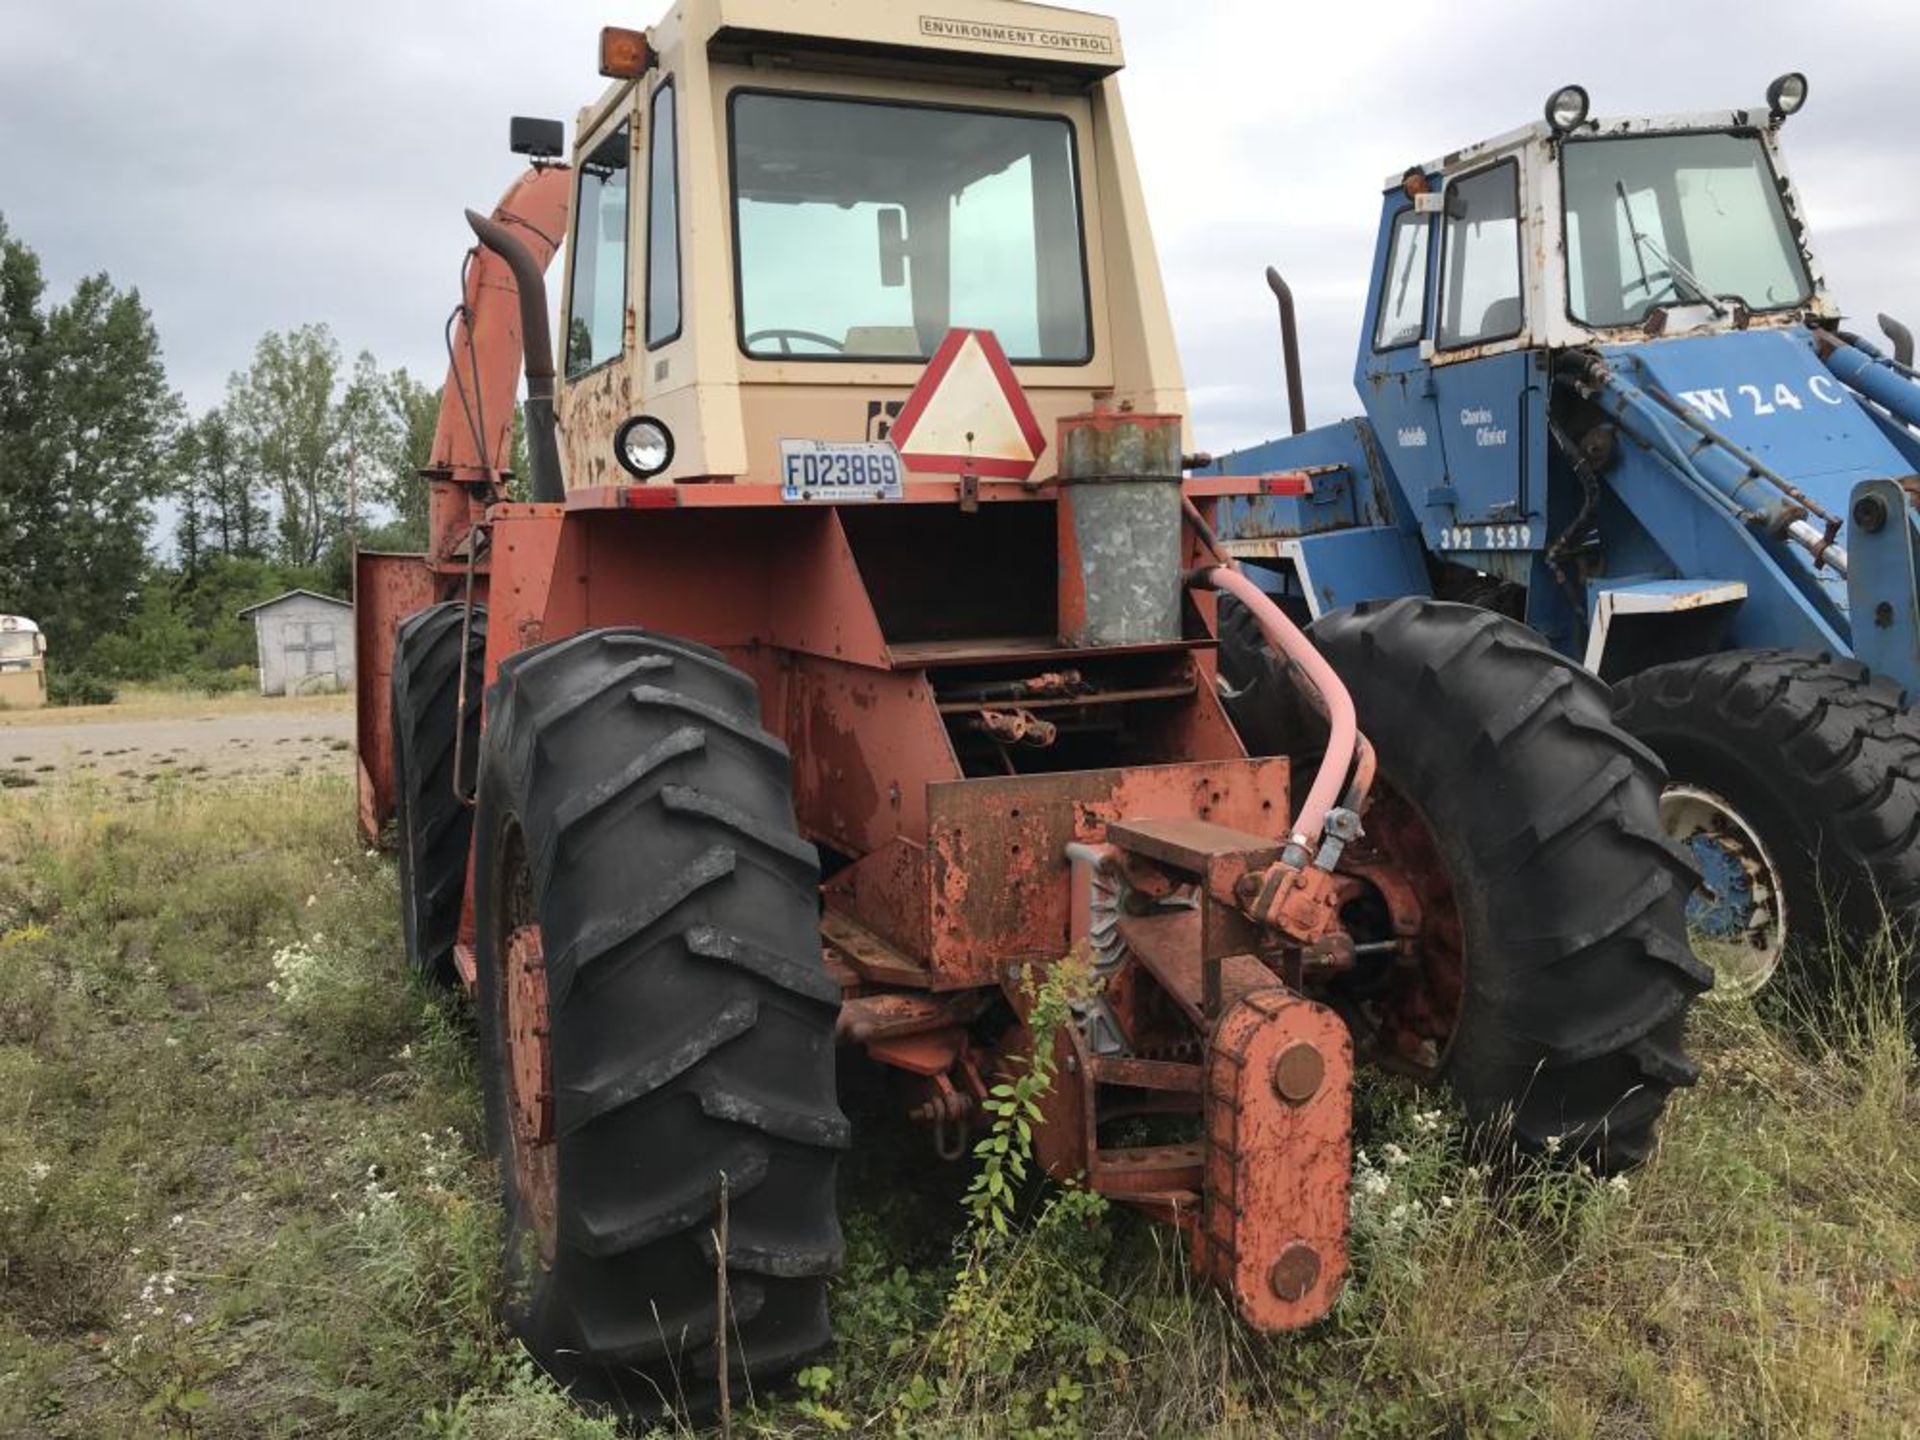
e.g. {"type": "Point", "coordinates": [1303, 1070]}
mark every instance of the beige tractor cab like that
{"type": "Point", "coordinates": [23, 664]}
{"type": "Point", "coordinates": [780, 214]}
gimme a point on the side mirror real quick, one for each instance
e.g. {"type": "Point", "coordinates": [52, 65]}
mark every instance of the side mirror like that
{"type": "Point", "coordinates": [40, 642]}
{"type": "Point", "coordinates": [535, 138]}
{"type": "Point", "coordinates": [893, 246]}
{"type": "Point", "coordinates": [1455, 201]}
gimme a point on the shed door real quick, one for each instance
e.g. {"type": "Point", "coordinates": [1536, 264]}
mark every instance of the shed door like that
{"type": "Point", "coordinates": [309, 649]}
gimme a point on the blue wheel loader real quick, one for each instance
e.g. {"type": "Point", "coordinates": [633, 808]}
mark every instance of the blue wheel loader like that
{"type": "Point", "coordinates": [1606, 391]}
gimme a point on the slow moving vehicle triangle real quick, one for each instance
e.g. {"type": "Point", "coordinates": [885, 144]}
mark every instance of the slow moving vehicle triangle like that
{"type": "Point", "coordinates": [969, 413]}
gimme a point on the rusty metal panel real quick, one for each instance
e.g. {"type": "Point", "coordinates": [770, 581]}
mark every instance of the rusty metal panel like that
{"type": "Point", "coordinates": [820, 602]}
{"type": "Point", "coordinates": [1000, 885]}
{"type": "Point", "coordinates": [523, 566]}
{"type": "Point", "coordinates": [866, 746]}
{"type": "Point", "coordinates": [386, 590]}
{"type": "Point", "coordinates": [887, 893]}
{"type": "Point", "coordinates": [1173, 948]}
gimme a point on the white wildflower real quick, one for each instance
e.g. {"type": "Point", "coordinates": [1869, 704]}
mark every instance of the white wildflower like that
{"type": "Point", "coordinates": [1618, 1185]}
{"type": "Point", "coordinates": [1394, 1155]}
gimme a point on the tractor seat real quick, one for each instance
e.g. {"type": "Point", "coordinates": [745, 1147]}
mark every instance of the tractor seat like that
{"type": "Point", "coordinates": [1502, 319]}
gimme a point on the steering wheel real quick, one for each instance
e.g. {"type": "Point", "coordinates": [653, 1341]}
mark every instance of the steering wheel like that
{"type": "Point", "coordinates": [786, 337]}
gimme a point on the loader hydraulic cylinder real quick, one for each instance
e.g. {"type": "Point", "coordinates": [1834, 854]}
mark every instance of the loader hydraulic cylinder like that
{"type": "Point", "coordinates": [1885, 382]}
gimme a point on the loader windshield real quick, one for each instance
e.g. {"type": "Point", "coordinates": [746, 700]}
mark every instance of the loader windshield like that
{"type": "Point", "coordinates": [1678, 219]}
{"type": "Point", "coordinates": [865, 231]}
{"type": "Point", "coordinates": [17, 645]}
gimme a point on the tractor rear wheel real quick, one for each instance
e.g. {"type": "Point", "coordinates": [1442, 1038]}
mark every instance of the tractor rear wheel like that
{"type": "Point", "coordinates": [432, 827]}
{"type": "Point", "coordinates": [1524, 828]}
{"type": "Point", "coordinates": [1796, 785]}
{"type": "Point", "coordinates": [656, 1024]}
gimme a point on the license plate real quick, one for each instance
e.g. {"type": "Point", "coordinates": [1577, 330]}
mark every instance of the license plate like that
{"type": "Point", "coordinates": [840, 470]}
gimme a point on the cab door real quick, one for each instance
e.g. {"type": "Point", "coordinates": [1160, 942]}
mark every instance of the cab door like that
{"type": "Point", "coordinates": [1395, 382]}
{"type": "Point", "coordinates": [597, 326]}
{"type": "Point", "coordinates": [1490, 386]}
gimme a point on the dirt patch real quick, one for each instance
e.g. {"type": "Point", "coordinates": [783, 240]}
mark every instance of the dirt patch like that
{"type": "Point", "coordinates": [218, 740]}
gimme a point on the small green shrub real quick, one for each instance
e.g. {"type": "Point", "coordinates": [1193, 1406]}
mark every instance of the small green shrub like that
{"type": "Point", "coordinates": [78, 687]}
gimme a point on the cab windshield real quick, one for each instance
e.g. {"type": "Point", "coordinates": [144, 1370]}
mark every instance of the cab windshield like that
{"type": "Point", "coordinates": [1684, 219]}
{"type": "Point", "coordinates": [867, 231]}
{"type": "Point", "coordinates": [17, 645]}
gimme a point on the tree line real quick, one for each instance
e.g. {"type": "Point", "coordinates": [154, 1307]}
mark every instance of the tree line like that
{"type": "Point", "coordinates": [305, 456]}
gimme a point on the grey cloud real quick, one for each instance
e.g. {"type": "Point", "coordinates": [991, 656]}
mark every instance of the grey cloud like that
{"type": "Point", "coordinates": [255, 166]}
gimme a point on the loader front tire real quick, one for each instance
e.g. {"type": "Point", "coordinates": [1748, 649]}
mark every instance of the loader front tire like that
{"type": "Point", "coordinates": [432, 827]}
{"type": "Point", "coordinates": [1566, 899]}
{"type": "Point", "coordinates": [1814, 764]}
{"type": "Point", "coordinates": [656, 1025]}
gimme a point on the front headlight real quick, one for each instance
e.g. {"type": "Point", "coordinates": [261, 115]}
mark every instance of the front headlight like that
{"type": "Point", "coordinates": [643, 446]}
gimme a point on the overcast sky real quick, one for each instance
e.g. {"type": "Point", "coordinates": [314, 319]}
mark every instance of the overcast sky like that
{"type": "Point", "coordinates": [253, 165]}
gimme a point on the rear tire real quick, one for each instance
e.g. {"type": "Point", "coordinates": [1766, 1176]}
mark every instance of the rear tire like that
{"type": "Point", "coordinates": [432, 828]}
{"type": "Point", "coordinates": [631, 798]}
{"type": "Point", "coordinates": [1821, 760]}
{"type": "Point", "coordinates": [1544, 817]}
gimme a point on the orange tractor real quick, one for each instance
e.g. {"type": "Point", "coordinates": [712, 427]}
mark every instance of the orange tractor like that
{"type": "Point", "coordinates": [852, 664]}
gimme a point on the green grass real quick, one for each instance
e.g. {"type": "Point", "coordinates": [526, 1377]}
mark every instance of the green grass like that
{"type": "Point", "coordinates": [221, 1099]}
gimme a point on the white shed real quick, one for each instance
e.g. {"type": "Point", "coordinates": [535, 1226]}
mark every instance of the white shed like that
{"type": "Point", "coordinates": [306, 643]}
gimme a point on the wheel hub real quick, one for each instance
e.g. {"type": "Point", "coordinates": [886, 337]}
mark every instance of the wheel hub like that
{"type": "Point", "coordinates": [1738, 915]}
{"type": "Point", "coordinates": [1414, 1013]}
{"type": "Point", "coordinates": [530, 1084]}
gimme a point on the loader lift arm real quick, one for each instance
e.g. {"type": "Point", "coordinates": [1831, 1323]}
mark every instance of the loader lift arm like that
{"type": "Point", "coordinates": [472, 447]}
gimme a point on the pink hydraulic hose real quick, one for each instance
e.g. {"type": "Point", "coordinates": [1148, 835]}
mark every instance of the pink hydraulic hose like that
{"type": "Point", "coordinates": [1324, 686]}
{"type": "Point", "coordinates": [1290, 641]}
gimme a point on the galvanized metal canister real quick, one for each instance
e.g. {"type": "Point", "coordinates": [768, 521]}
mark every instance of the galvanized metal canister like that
{"type": "Point", "coordinates": [1119, 514]}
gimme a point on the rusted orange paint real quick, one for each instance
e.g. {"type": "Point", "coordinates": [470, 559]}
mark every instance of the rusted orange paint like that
{"type": "Point", "coordinates": [530, 1085]}
{"type": "Point", "coordinates": [1273, 1232]}
{"type": "Point", "coordinates": [386, 590]}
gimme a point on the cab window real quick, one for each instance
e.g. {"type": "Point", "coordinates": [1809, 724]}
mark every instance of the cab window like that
{"type": "Point", "coordinates": [663, 225]}
{"type": "Point", "coordinates": [1403, 289]}
{"type": "Point", "coordinates": [596, 320]}
{"type": "Point", "coordinates": [1689, 218]}
{"type": "Point", "coordinates": [1481, 296]}
{"type": "Point", "coordinates": [868, 230]}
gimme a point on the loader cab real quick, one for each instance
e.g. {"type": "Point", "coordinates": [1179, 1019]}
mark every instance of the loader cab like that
{"type": "Point", "coordinates": [23, 664]}
{"type": "Point", "coordinates": [1570, 232]}
{"type": "Point", "coordinates": [781, 213]}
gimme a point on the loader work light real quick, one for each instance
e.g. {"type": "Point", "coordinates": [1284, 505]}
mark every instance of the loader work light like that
{"type": "Point", "coordinates": [1567, 109]}
{"type": "Point", "coordinates": [1787, 95]}
{"type": "Point", "coordinates": [643, 446]}
{"type": "Point", "coordinates": [624, 54]}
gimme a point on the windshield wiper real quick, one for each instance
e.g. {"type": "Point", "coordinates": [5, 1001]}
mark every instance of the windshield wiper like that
{"type": "Point", "coordinates": [1675, 270]}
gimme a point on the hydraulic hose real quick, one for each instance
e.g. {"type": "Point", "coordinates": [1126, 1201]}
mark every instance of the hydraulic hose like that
{"type": "Point", "coordinates": [1343, 744]}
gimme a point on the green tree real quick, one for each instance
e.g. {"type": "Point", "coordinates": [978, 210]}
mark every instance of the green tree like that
{"type": "Point", "coordinates": [413, 412]}
{"type": "Point", "coordinates": [216, 491]}
{"type": "Point", "coordinates": [87, 428]}
{"type": "Point", "coordinates": [283, 413]}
